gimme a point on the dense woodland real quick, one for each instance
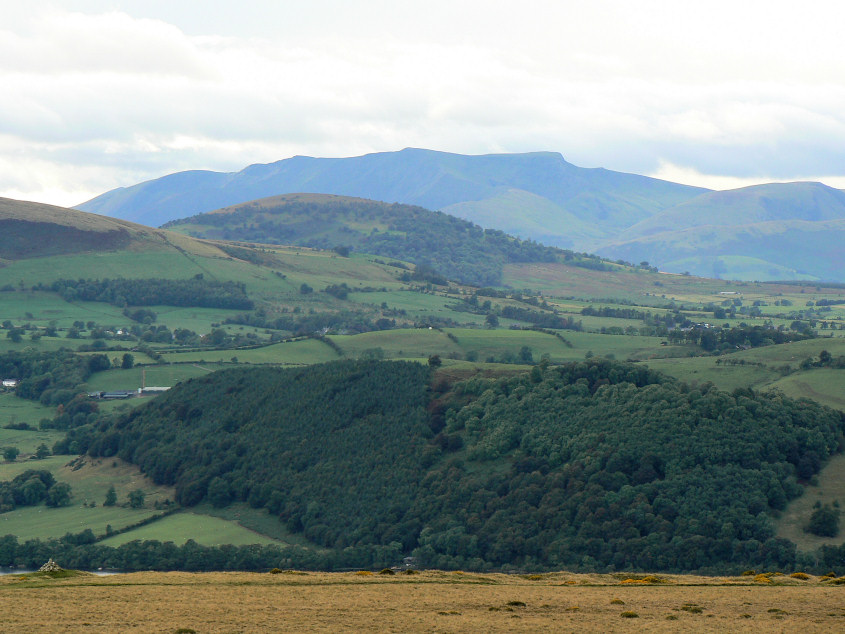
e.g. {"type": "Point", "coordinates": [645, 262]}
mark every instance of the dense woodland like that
{"type": "Point", "coordinates": [54, 378]}
{"type": "Point", "coordinates": [457, 248]}
{"type": "Point", "coordinates": [591, 466]}
{"type": "Point", "coordinates": [33, 487]}
{"type": "Point", "coordinates": [196, 291]}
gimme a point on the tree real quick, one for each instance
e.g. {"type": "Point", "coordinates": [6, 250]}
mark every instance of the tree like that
{"type": "Point", "coordinates": [824, 522]}
{"type": "Point", "coordinates": [136, 499]}
{"type": "Point", "coordinates": [219, 493]}
{"type": "Point", "coordinates": [491, 320]}
{"type": "Point", "coordinates": [15, 335]}
{"type": "Point", "coordinates": [435, 361]}
{"type": "Point", "coordinates": [526, 355]}
{"type": "Point", "coordinates": [42, 452]}
{"type": "Point", "coordinates": [59, 495]}
{"type": "Point", "coordinates": [127, 362]}
{"type": "Point", "coordinates": [111, 497]}
{"type": "Point", "coordinates": [10, 454]}
{"type": "Point", "coordinates": [304, 289]}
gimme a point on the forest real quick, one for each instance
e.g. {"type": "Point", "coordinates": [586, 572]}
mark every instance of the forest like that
{"type": "Point", "coordinates": [54, 378]}
{"type": "Point", "coordinates": [196, 291]}
{"type": "Point", "coordinates": [593, 465]}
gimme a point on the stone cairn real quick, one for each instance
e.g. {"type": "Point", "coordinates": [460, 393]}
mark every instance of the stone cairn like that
{"type": "Point", "coordinates": [50, 566]}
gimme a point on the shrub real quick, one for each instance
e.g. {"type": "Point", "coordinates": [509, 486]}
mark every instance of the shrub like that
{"type": "Point", "coordinates": [386, 571]}
{"type": "Point", "coordinates": [629, 615]}
{"type": "Point", "coordinates": [617, 602]}
{"type": "Point", "coordinates": [800, 575]}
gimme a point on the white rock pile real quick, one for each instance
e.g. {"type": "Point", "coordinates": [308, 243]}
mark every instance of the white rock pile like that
{"type": "Point", "coordinates": [50, 566]}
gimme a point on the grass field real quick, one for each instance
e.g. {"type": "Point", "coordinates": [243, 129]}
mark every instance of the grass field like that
{"type": "Point", "coordinates": [156, 375]}
{"type": "Point", "coordinates": [28, 441]}
{"type": "Point", "coordinates": [430, 601]}
{"type": "Point", "coordinates": [830, 489]}
{"type": "Point", "coordinates": [20, 410]}
{"type": "Point", "coordinates": [203, 529]}
{"type": "Point", "coordinates": [821, 384]}
{"type": "Point", "coordinates": [301, 352]}
{"type": "Point", "coordinates": [402, 343]}
{"type": "Point", "coordinates": [89, 481]}
{"type": "Point", "coordinates": [725, 377]}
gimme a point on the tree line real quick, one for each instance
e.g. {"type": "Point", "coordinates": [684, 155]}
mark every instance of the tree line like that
{"type": "Point", "coordinates": [196, 291]}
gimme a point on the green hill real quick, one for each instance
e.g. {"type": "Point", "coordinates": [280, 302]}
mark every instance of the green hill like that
{"type": "Point", "coordinates": [588, 465]}
{"type": "Point", "coordinates": [774, 202]}
{"type": "Point", "coordinates": [782, 231]}
{"type": "Point", "coordinates": [452, 247]}
{"type": "Point", "coordinates": [774, 250]}
{"type": "Point", "coordinates": [29, 230]}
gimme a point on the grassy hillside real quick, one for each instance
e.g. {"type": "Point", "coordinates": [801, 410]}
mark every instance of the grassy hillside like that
{"type": "Point", "coordinates": [810, 202]}
{"type": "Point", "coordinates": [29, 230]}
{"type": "Point", "coordinates": [765, 232]}
{"type": "Point", "coordinates": [450, 246]}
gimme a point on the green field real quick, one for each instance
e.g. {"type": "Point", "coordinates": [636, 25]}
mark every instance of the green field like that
{"type": "Point", "coordinates": [400, 343]}
{"type": "Point", "coordinates": [156, 375]}
{"type": "Point", "coordinates": [820, 384]}
{"type": "Point", "coordinates": [702, 369]}
{"type": "Point", "coordinates": [301, 352]}
{"type": "Point", "coordinates": [185, 525]}
{"type": "Point", "coordinates": [89, 483]}
{"type": "Point", "coordinates": [830, 489]}
{"type": "Point", "coordinates": [19, 410]}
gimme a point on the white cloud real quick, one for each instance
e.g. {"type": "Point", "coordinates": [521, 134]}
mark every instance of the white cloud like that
{"type": "Point", "coordinates": [115, 92]}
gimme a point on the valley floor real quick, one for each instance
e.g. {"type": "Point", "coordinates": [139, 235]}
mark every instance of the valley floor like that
{"type": "Point", "coordinates": [429, 601]}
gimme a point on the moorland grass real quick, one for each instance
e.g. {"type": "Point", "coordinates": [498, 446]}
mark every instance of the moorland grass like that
{"type": "Point", "coordinates": [429, 601]}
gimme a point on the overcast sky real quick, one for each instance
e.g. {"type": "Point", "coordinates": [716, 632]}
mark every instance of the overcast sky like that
{"type": "Point", "coordinates": [98, 94]}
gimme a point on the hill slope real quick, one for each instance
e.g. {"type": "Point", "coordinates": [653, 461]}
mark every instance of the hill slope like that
{"type": "Point", "coordinates": [477, 186]}
{"type": "Point", "coordinates": [773, 202]}
{"type": "Point", "coordinates": [765, 232]}
{"type": "Point", "coordinates": [29, 230]}
{"type": "Point", "coordinates": [588, 465]}
{"type": "Point", "coordinates": [453, 247]}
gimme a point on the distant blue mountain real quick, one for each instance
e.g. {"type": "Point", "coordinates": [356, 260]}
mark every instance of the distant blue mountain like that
{"type": "Point", "coordinates": [535, 195]}
{"type": "Point", "coordinates": [774, 231]}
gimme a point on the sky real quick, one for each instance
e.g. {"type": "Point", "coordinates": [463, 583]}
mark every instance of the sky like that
{"type": "Point", "coordinates": [99, 94]}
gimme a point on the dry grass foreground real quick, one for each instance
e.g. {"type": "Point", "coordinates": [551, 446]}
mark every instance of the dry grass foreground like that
{"type": "Point", "coordinates": [426, 602]}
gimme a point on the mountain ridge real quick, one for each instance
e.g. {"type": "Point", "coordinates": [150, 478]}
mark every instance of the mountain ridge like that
{"type": "Point", "coordinates": [431, 179]}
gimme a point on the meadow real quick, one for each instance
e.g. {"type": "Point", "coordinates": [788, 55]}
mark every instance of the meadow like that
{"type": "Point", "coordinates": [428, 601]}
